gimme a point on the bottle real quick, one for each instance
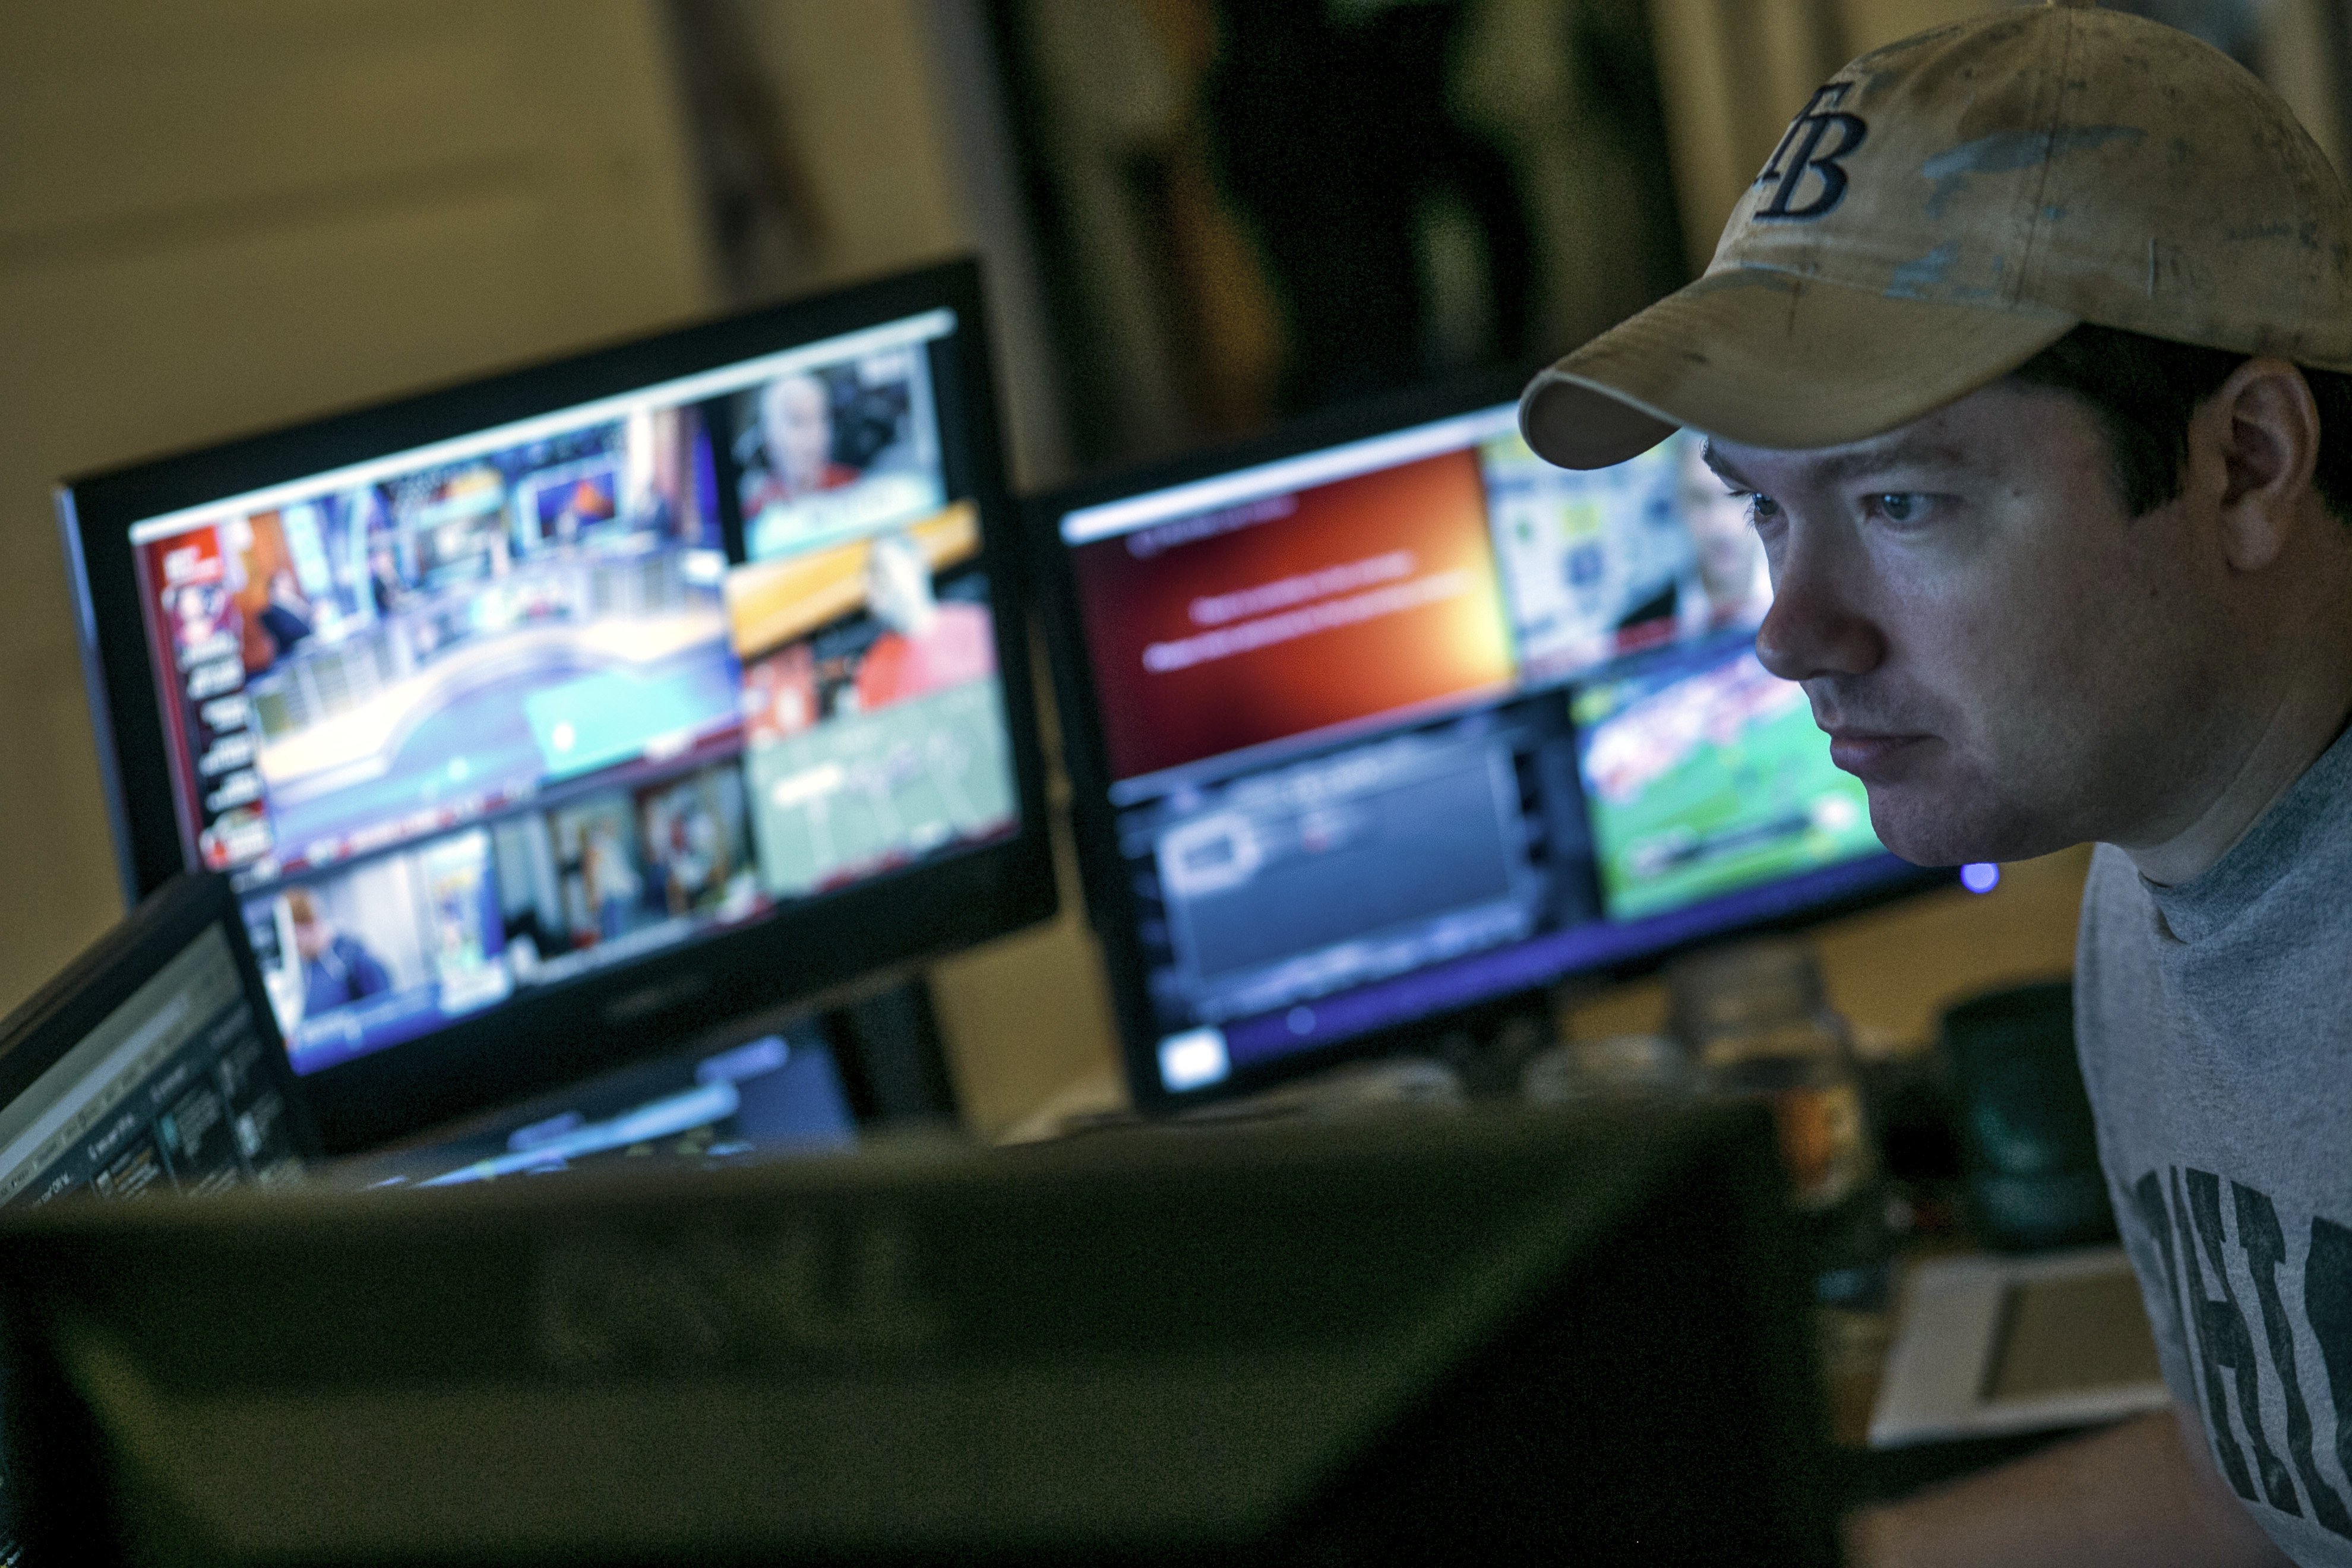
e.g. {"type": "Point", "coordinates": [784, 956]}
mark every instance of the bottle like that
{"type": "Point", "coordinates": [1755, 1020]}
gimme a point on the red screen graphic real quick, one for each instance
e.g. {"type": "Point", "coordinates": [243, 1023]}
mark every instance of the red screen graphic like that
{"type": "Point", "coordinates": [1293, 614]}
{"type": "Point", "coordinates": [194, 626]}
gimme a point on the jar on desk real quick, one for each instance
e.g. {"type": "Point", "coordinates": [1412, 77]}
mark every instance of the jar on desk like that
{"type": "Point", "coordinates": [1757, 1023]}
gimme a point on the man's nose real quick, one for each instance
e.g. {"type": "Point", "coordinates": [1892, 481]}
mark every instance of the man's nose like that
{"type": "Point", "coordinates": [1814, 627]}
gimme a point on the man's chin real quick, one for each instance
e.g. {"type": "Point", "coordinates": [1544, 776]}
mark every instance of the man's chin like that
{"type": "Point", "coordinates": [1927, 831]}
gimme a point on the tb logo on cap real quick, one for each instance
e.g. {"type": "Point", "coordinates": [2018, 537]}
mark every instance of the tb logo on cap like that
{"type": "Point", "coordinates": [1800, 149]}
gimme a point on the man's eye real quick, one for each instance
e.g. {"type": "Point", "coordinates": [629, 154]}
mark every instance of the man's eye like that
{"type": "Point", "coordinates": [1761, 508]}
{"type": "Point", "coordinates": [1899, 506]}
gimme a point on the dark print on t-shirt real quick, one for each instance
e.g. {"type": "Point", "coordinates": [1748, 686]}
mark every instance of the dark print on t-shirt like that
{"type": "Point", "coordinates": [2232, 1342]}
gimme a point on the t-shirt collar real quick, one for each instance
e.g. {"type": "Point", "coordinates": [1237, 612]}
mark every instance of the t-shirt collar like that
{"type": "Point", "coordinates": [2281, 837]}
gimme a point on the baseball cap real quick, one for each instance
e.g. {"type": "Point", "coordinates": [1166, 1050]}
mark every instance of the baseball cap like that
{"type": "Point", "coordinates": [1943, 209]}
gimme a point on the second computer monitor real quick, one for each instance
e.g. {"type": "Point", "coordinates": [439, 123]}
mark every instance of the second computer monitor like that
{"type": "Point", "coordinates": [1388, 718]}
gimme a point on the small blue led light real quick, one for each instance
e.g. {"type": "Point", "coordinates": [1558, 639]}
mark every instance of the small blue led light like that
{"type": "Point", "coordinates": [1981, 876]}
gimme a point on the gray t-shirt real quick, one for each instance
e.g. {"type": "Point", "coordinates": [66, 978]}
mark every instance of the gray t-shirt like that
{"type": "Point", "coordinates": [2215, 1022]}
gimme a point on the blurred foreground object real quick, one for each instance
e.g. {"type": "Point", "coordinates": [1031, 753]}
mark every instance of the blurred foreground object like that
{"type": "Point", "coordinates": [1755, 1019]}
{"type": "Point", "coordinates": [2032, 1155]}
{"type": "Point", "coordinates": [1426, 1334]}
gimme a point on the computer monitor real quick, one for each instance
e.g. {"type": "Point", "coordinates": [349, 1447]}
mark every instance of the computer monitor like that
{"type": "Point", "coordinates": [150, 1066]}
{"type": "Point", "coordinates": [550, 717]}
{"type": "Point", "coordinates": [1385, 718]}
{"type": "Point", "coordinates": [1515, 1337]}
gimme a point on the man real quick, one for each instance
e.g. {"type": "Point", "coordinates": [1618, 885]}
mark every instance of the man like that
{"type": "Point", "coordinates": [796, 432]}
{"type": "Point", "coordinates": [925, 646]}
{"type": "Point", "coordinates": [284, 615]}
{"type": "Point", "coordinates": [2026, 351]}
{"type": "Point", "coordinates": [802, 495]}
{"type": "Point", "coordinates": [337, 968]}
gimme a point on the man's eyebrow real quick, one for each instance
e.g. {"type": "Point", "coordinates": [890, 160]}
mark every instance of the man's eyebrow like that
{"type": "Point", "coordinates": [1722, 466]}
{"type": "Point", "coordinates": [1847, 466]}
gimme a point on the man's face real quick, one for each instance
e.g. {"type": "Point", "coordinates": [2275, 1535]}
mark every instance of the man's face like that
{"type": "Point", "coordinates": [797, 426]}
{"type": "Point", "coordinates": [2009, 663]}
{"type": "Point", "coordinates": [309, 938]}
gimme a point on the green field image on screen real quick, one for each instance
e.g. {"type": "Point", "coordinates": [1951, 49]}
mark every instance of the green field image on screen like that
{"type": "Point", "coordinates": [1710, 783]}
{"type": "Point", "coordinates": [863, 792]}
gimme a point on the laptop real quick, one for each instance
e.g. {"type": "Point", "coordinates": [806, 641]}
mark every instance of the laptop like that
{"type": "Point", "coordinates": [151, 1065]}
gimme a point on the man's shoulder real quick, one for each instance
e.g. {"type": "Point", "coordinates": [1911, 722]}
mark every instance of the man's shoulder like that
{"type": "Point", "coordinates": [2114, 955]}
{"type": "Point", "coordinates": [2111, 866]}
{"type": "Point", "coordinates": [2112, 895]}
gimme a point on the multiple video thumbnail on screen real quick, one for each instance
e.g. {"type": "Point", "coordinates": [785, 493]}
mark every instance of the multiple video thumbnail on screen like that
{"type": "Point", "coordinates": [483, 716]}
{"type": "Point", "coordinates": [1422, 720]}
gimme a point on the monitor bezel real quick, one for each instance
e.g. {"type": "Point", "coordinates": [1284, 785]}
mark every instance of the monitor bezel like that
{"type": "Point", "coordinates": [835, 944]}
{"type": "Point", "coordinates": [1103, 876]}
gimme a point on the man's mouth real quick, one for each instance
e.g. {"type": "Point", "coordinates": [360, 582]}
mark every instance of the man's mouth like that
{"type": "Point", "coordinates": [1868, 754]}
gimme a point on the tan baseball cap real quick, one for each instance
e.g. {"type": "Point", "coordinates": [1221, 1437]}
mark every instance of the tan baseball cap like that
{"type": "Point", "coordinates": [1945, 208]}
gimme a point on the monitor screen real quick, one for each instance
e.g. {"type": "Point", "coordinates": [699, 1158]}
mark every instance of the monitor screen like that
{"type": "Point", "coordinates": [171, 1092]}
{"type": "Point", "coordinates": [700, 634]}
{"type": "Point", "coordinates": [1375, 729]}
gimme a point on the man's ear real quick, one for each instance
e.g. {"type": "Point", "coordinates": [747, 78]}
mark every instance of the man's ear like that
{"type": "Point", "coordinates": [2260, 433]}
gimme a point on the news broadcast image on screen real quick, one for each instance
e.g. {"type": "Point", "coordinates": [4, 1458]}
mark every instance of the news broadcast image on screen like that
{"type": "Point", "coordinates": [1404, 723]}
{"type": "Point", "coordinates": [873, 726]}
{"type": "Point", "coordinates": [490, 714]}
{"type": "Point", "coordinates": [831, 453]}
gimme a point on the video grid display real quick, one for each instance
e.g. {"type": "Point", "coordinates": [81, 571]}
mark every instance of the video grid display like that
{"type": "Point", "coordinates": [1377, 710]}
{"type": "Point", "coordinates": [495, 713]}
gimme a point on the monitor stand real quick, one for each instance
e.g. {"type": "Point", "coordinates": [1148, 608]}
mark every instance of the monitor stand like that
{"type": "Point", "coordinates": [1476, 1055]}
{"type": "Point", "coordinates": [1490, 1047]}
{"type": "Point", "coordinates": [894, 1065]}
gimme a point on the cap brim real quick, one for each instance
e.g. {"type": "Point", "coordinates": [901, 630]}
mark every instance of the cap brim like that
{"type": "Point", "coordinates": [1769, 359]}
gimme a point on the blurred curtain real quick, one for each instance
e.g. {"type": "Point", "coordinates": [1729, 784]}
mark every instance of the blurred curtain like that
{"type": "Point", "coordinates": [762, 221]}
{"type": "Point", "coordinates": [1252, 207]}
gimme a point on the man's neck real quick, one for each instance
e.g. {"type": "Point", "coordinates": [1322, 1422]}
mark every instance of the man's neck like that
{"type": "Point", "coordinates": [2303, 721]}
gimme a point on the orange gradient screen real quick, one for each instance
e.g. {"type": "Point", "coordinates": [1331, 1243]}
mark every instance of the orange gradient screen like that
{"type": "Point", "coordinates": [1293, 614]}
